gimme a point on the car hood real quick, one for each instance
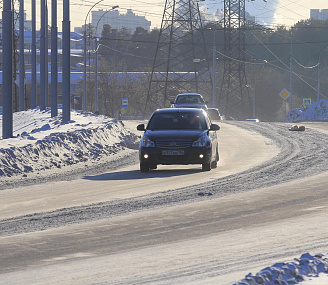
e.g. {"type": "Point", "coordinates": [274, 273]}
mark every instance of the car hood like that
{"type": "Point", "coordinates": [174, 134]}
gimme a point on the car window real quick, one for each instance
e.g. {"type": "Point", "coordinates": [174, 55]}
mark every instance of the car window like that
{"type": "Point", "coordinates": [192, 99]}
{"type": "Point", "coordinates": [177, 121]}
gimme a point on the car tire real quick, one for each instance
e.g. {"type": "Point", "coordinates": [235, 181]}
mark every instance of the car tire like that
{"type": "Point", "coordinates": [153, 166]}
{"type": "Point", "coordinates": [214, 163]}
{"type": "Point", "coordinates": [144, 167]}
{"type": "Point", "coordinates": [206, 166]}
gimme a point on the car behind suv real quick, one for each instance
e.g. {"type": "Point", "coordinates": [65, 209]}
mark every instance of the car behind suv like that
{"type": "Point", "coordinates": [178, 136]}
{"type": "Point", "coordinates": [189, 100]}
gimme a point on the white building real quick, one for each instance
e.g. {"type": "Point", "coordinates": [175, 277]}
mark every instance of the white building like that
{"type": "Point", "coordinates": [115, 20]}
{"type": "Point", "coordinates": [317, 14]}
{"type": "Point", "coordinates": [249, 17]}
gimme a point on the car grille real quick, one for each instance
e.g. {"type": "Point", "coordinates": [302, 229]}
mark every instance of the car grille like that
{"type": "Point", "coordinates": [173, 144]}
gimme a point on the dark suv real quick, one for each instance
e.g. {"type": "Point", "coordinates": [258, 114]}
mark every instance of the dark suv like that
{"type": "Point", "coordinates": [178, 136]}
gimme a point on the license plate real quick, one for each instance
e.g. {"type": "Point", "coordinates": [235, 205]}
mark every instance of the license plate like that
{"type": "Point", "coordinates": [172, 152]}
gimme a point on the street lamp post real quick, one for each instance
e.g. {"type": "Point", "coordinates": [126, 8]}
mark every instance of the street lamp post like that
{"type": "Point", "coordinates": [291, 71]}
{"type": "Point", "coordinates": [249, 86]}
{"type": "Point", "coordinates": [33, 54]}
{"type": "Point", "coordinates": [54, 65]}
{"type": "Point", "coordinates": [66, 63]}
{"type": "Point", "coordinates": [214, 65]}
{"type": "Point", "coordinates": [85, 58]}
{"type": "Point", "coordinates": [21, 58]}
{"type": "Point", "coordinates": [96, 58]}
{"type": "Point", "coordinates": [7, 67]}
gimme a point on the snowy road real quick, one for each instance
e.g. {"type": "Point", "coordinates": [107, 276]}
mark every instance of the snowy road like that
{"type": "Point", "coordinates": [266, 202]}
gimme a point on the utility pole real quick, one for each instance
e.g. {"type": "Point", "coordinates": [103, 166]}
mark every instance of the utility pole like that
{"type": "Point", "coordinates": [46, 69]}
{"type": "Point", "coordinates": [33, 95]}
{"type": "Point", "coordinates": [7, 62]}
{"type": "Point", "coordinates": [291, 73]}
{"type": "Point", "coordinates": [66, 63]}
{"type": "Point", "coordinates": [21, 58]}
{"type": "Point", "coordinates": [234, 97]}
{"type": "Point", "coordinates": [42, 56]}
{"type": "Point", "coordinates": [54, 66]}
{"type": "Point", "coordinates": [213, 69]}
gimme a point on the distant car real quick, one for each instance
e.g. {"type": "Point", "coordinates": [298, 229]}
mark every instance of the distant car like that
{"type": "Point", "coordinates": [178, 136]}
{"type": "Point", "coordinates": [214, 114]}
{"type": "Point", "coordinates": [189, 100]}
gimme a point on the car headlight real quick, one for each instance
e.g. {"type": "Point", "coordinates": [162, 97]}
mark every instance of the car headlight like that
{"type": "Point", "coordinates": [146, 142]}
{"type": "Point", "coordinates": [202, 141]}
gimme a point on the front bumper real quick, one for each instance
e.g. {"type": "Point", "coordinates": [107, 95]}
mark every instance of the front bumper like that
{"type": "Point", "coordinates": [192, 155]}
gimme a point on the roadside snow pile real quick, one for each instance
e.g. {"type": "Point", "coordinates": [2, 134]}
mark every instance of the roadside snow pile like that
{"type": "Point", "coordinates": [318, 111]}
{"type": "Point", "coordinates": [41, 142]}
{"type": "Point", "coordinates": [289, 273]}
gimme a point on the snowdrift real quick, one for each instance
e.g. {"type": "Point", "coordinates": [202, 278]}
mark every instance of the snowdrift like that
{"type": "Point", "coordinates": [289, 273]}
{"type": "Point", "coordinates": [46, 143]}
{"type": "Point", "coordinates": [318, 111]}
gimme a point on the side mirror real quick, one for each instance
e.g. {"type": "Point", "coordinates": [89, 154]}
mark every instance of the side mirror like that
{"type": "Point", "coordinates": [141, 127]}
{"type": "Point", "coordinates": [206, 102]}
{"type": "Point", "coordinates": [214, 127]}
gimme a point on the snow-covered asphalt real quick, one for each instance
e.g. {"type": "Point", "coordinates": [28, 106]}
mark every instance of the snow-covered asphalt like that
{"type": "Point", "coordinates": [266, 202]}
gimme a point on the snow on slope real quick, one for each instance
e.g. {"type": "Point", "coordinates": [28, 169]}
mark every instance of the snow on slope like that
{"type": "Point", "coordinates": [41, 142]}
{"type": "Point", "coordinates": [289, 273]}
{"type": "Point", "coordinates": [318, 111]}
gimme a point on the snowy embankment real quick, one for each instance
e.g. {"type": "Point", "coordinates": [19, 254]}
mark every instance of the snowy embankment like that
{"type": "Point", "coordinates": [318, 111]}
{"type": "Point", "coordinates": [41, 142]}
{"type": "Point", "coordinates": [289, 273]}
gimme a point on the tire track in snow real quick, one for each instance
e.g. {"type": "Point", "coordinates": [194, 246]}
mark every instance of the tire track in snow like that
{"type": "Point", "coordinates": [301, 154]}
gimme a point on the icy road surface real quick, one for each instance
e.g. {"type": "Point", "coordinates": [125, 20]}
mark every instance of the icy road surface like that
{"type": "Point", "coordinates": [265, 203]}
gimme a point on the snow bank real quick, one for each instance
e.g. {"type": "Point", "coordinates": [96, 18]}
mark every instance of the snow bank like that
{"type": "Point", "coordinates": [41, 142]}
{"type": "Point", "coordinates": [318, 111]}
{"type": "Point", "coordinates": [289, 273]}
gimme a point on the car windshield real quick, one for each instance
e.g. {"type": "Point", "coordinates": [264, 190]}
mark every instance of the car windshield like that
{"type": "Point", "coordinates": [189, 99]}
{"type": "Point", "coordinates": [177, 121]}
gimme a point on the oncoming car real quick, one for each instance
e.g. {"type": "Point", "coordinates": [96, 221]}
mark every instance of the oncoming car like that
{"type": "Point", "coordinates": [189, 100]}
{"type": "Point", "coordinates": [178, 136]}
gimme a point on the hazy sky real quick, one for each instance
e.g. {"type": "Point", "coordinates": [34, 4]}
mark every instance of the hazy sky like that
{"type": "Point", "coordinates": [271, 12]}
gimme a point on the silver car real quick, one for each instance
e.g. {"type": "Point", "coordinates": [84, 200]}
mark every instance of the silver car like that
{"type": "Point", "coordinates": [189, 100]}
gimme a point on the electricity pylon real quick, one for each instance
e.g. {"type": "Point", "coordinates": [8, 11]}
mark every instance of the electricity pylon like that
{"type": "Point", "coordinates": [234, 98]}
{"type": "Point", "coordinates": [180, 63]}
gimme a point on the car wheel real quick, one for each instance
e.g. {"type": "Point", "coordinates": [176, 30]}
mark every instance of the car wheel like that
{"type": "Point", "coordinates": [144, 167]}
{"type": "Point", "coordinates": [206, 166]}
{"type": "Point", "coordinates": [214, 163]}
{"type": "Point", "coordinates": [153, 166]}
